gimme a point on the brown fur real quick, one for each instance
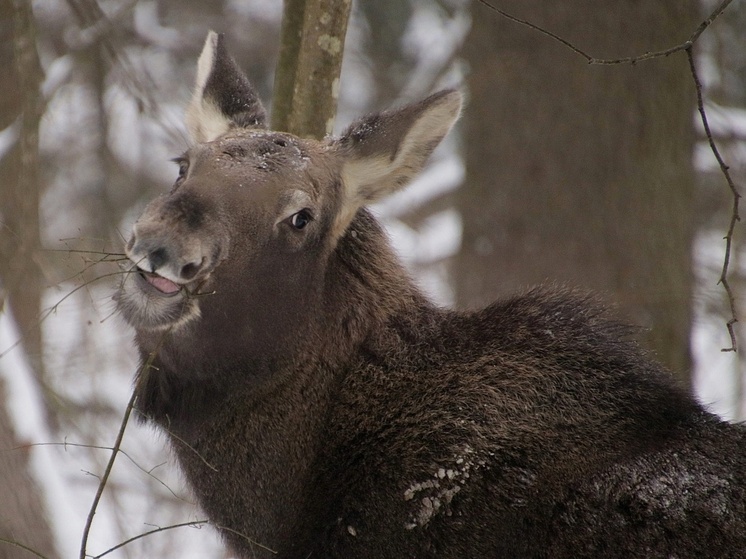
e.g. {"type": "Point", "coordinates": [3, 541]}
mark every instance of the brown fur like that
{"type": "Point", "coordinates": [320, 406]}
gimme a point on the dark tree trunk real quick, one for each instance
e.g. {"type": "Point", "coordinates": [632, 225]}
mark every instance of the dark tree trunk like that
{"type": "Point", "coordinates": [23, 519]}
{"type": "Point", "coordinates": [307, 74]}
{"type": "Point", "coordinates": [582, 174]}
{"type": "Point", "coordinates": [21, 279]}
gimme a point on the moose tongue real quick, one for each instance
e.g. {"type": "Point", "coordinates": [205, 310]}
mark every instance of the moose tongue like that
{"type": "Point", "coordinates": [162, 284]}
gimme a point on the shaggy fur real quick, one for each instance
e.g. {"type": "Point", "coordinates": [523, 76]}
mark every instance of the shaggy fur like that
{"type": "Point", "coordinates": [320, 406]}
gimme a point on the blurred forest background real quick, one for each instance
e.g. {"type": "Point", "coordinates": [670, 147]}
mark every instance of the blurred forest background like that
{"type": "Point", "coordinates": [560, 171]}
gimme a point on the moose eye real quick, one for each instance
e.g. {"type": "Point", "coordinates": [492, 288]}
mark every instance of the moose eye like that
{"type": "Point", "coordinates": [183, 169]}
{"type": "Point", "coordinates": [301, 219]}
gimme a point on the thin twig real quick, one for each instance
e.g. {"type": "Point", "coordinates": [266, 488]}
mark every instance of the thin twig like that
{"type": "Point", "coordinates": [610, 61]}
{"type": "Point", "coordinates": [686, 46]}
{"type": "Point", "coordinates": [105, 477]}
{"type": "Point", "coordinates": [140, 84]}
{"type": "Point", "coordinates": [105, 253]}
{"type": "Point", "coordinates": [146, 366]}
{"type": "Point", "coordinates": [92, 264]}
{"type": "Point", "coordinates": [24, 547]}
{"type": "Point", "coordinates": [535, 27]}
{"type": "Point", "coordinates": [734, 217]}
{"type": "Point", "coordinates": [111, 449]}
{"type": "Point", "coordinates": [244, 536]}
{"type": "Point", "coordinates": [193, 524]}
{"type": "Point", "coordinates": [46, 314]}
{"type": "Point", "coordinates": [178, 438]}
{"type": "Point", "coordinates": [708, 21]}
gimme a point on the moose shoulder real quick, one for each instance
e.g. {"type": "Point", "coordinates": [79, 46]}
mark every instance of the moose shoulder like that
{"type": "Point", "coordinates": [320, 406]}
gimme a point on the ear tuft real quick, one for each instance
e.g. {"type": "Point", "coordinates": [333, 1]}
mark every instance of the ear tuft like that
{"type": "Point", "coordinates": [383, 152]}
{"type": "Point", "coordinates": [223, 97]}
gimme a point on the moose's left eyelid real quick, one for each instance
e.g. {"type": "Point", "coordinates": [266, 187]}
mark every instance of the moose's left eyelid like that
{"type": "Point", "coordinates": [183, 166]}
{"type": "Point", "coordinates": [183, 163]}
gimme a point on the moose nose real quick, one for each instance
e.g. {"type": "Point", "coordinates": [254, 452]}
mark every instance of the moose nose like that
{"type": "Point", "coordinates": [190, 269]}
{"type": "Point", "coordinates": [147, 255]}
{"type": "Point", "coordinates": [157, 258]}
{"type": "Point", "coordinates": [173, 262]}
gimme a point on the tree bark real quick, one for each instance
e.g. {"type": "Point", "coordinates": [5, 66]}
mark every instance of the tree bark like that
{"type": "Point", "coordinates": [582, 174]}
{"type": "Point", "coordinates": [307, 75]}
{"type": "Point", "coordinates": [23, 519]}
{"type": "Point", "coordinates": [20, 113]}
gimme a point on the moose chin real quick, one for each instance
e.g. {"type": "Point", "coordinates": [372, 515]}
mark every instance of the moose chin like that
{"type": "Point", "coordinates": [320, 405]}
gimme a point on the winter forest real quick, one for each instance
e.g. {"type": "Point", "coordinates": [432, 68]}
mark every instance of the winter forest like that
{"type": "Point", "coordinates": [582, 159]}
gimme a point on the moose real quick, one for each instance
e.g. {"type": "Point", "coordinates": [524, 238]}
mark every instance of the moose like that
{"type": "Point", "coordinates": [320, 405]}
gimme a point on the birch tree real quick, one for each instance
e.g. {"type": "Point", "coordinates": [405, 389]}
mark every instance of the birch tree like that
{"type": "Point", "coordinates": [307, 74]}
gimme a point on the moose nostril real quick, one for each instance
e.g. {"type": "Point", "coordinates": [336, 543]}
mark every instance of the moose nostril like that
{"type": "Point", "coordinates": [188, 271]}
{"type": "Point", "coordinates": [157, 258]}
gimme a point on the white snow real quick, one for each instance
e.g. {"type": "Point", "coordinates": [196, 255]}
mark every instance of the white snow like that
{"type": "Point", "coordinates": [25, 408]}
{"type": "Point", "coordinates": [714, 370]}
{"type": "Point", "coordinates": [91, 360]}
{"type": "Point", "coordinates": [148, 26]}
{"type": "Point", "coordinates": [9, 137]}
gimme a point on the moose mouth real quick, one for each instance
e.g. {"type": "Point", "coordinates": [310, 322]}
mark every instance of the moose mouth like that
{"type": "Point", "coordinates": [162, 285]}
{"type": "Point", "coordinates": [151, 302]}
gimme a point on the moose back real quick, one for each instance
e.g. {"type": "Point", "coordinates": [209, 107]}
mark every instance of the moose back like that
{"type": "Point", "coordinates": [320, 406]}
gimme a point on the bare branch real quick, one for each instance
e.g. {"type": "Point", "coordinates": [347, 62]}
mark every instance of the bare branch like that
{"type": "Point", "coordinates": [24, 547]}
{"type": "Point", "coordinates": [687, 47]}
{"type": "Point", "coordinates": [54, 307]}
{"type": "Point", "coordinates": [193, 524]}
{"type": "Point", "coordinates": [105, 477]}
{"type": "Point", "coordinates": [535, 27]}
{"type": "Point", "coordinates": [734, 217]}
{"type": "Point", "coordinates": [610, 61]}
{"type": "Point", "coordinates": [182, 441]}
{"type": "Point", "coordinates": [708, 21]}
{"type": "Point", "coordinates": [245, 537]}
{"type": "Point", "coordinates": [146, 366]}
{"type": "Point", "coordinates": [148, 472]}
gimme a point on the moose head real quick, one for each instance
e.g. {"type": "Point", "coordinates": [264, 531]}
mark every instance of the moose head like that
{"type": "Point", "coordinates": [253, 216]}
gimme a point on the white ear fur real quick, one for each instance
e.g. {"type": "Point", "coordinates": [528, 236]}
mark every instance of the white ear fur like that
{"type": "Point", "coordinates": [204, 119]}
{"type": "Point", "coordinates": [394, 150]}
{"type": "Point", "coordinates": [223, 96]}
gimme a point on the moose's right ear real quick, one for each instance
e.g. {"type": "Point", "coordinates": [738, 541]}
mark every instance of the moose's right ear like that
{"type": "Point", "coordinates": [223, 97]}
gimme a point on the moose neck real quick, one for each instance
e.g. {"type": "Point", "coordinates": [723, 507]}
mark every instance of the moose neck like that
{"type": "Point", "coordinates": [353, 293]}
{"type": "Point", "coordinates": [365, 286]}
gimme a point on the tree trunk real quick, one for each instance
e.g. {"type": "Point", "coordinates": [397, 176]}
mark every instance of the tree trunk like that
{"type": "Point", "coordinates": [582, 174]}
{"type": "Point", "coordinates": [307, 75]}
{"type": "Point", "coordinates": [23, 518]}
{"type": "Point", "coordinates": [20, 242]}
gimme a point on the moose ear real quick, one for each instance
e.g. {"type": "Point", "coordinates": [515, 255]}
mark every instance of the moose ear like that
{"type": "Point", "coordinates": [223, 97]}
{"type": "Point", "coordinates": [383, 152]}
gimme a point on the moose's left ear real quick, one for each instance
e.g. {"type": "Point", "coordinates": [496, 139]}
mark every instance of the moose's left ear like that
{"type": "Point", "coordinates": [223, 97]}
{"type": "Point", "coordinates": [383, 152]}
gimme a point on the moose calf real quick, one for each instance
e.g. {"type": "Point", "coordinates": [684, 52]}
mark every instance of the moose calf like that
{"type": "Point", "coordinates": [320, 406]}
